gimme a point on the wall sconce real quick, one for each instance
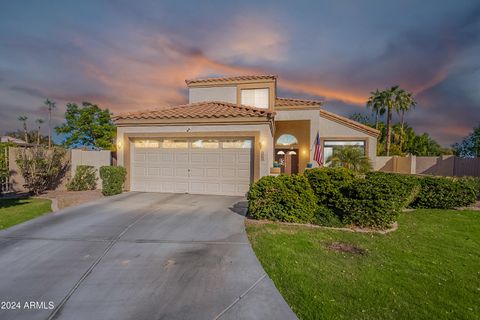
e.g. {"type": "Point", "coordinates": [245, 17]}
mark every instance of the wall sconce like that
{"type": "Point", "coordinates": [119, 144]}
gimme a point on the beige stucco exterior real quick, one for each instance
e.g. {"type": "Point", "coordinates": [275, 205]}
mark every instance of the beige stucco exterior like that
{"type": "Point", "coordinates": [300, 118]}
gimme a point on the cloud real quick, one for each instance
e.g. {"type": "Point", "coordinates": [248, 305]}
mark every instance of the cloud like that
{"type": "Point", "coordinates": [249, 38]}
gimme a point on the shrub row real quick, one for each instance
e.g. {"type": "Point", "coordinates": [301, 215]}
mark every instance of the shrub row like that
{"type": "Point", "coordinates": [336, 196]}
{"type": "Point", "coordinates": [113, 178]}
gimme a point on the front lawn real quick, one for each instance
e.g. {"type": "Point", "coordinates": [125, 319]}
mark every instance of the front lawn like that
{"type": "Point", "coordinates": [15, 211]}
{"type": "Point", "coordinates": [428, 269]}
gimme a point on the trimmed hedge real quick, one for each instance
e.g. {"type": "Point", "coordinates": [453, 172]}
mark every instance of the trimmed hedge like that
{"type": "Point", "coordinates": [85, 179]}
{"type": "Point", "coordinates": [327, 183]}
{"type": "Point", "coordinates": [113, 178]}
{"type": "Point", "coordinates": [283, 198]}
{"type": "Point", "coordinates": [338, 197]}
{"type": "Point", "coordinates": [446, 193]}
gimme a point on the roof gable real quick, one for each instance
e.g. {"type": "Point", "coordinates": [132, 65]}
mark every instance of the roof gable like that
{"type": "Point", "coordinates": [237, 79]}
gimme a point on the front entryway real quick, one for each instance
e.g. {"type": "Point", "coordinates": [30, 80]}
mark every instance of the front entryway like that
{"type": "Point", "coordinates": [197, 166]}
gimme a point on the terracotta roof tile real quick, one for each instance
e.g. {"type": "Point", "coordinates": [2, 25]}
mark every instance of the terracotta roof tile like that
{"type": "Point", "coordinates": [208, 109]}
{"type": "Point", "coordinates": [231, 79]}
{"type": "Point", "coordinates": [289, 102]}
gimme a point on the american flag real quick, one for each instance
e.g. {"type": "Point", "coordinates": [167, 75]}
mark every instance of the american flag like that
{"type": "Point", "coordinates": [318, 154]}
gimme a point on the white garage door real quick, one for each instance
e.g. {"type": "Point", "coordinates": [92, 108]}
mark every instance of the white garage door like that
{"type": "Point", "coordinates": [200, 166]}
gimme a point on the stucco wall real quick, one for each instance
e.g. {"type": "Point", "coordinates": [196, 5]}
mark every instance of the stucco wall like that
{"type": "Point", "coordinates": [93, 158]}
{"type": "Point", "coordinates": [328, 129]}
{"type": "Point", "coordinates": [227, 94]}
{"type": "Point", "coordinates": [266, 139]}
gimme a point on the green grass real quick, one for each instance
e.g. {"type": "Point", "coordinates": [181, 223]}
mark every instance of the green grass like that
{"type": "Point", "coordinates": [15, 211]}
{"type": "Point", "coordinates": [428, 269]}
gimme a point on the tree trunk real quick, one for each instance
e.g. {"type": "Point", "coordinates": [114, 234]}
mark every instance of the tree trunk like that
{"type": "Point", "coordinates": [402, 140]}
{"type": "Point", "coordinates": [25, 132]}
{"type": "Point", "coordinates": [38, 136]}
{"type": "Point", "coordinates": [389, 131]}
{"type": "Point", "coordinates": [49, 128]}
{"type": "Point", "coordinates": [376, 120]}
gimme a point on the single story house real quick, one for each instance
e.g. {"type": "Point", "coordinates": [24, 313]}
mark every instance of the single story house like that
{"type": "Point", "coordinates": [229, 134]}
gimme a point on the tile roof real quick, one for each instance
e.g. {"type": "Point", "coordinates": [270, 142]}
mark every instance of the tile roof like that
{"type": "Point", "coordinates": [199, 110]}
{"type": "Point", "coordinates": [349, 122]}
{"type": "Point", "coordinates": [231, 79]}
{"type": "Point", "coordinates": [288, 102]}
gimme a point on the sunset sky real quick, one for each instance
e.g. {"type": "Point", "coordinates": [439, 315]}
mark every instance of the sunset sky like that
{"type": "Point", "coordinates": [131, 55]}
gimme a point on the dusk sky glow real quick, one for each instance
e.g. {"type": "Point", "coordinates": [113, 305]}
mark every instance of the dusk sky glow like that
{"type": "Point", "coordinates": [128, 55]}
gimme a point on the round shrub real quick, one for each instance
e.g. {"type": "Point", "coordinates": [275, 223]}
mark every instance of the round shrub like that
{"type": "Point", "coordinates": [85, 179]}
{"type": "Point", "coordinates": [283, 198]}
{"type": "Point", "coordinates": [446, 193]}
{"type": "Point", "coordinates": [327, 183]}
{"type": "Point", "coordinates": [399, 188]}
{"type": "Point", "coordinates": [367, 204]}
{"type": "Point", "coordinates": [113, 178]}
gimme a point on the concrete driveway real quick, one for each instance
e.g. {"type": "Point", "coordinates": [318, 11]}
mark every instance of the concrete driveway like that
{"type": "Point", "coordinates": [137, 256]}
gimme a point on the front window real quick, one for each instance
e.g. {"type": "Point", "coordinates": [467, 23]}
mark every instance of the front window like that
{"type": "Point", "coordinates": [255, 98]}
{"type": "Point", "coordinates": [175, 144]}
{"type": "Point", "coordinates": [330, 147]}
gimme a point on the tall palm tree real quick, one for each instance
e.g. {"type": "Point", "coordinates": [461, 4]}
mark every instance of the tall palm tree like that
{"type": "Point", "coordinates": [50, 105]}
{"type": "Point", "coordinates": [392, 99]}
{"type": "Point", "coordinates": [406, 104]}
{"type": "Point", "coordinates": [39, 121]}
{"type": "Point", "coordinates": [376, 103]}
{"type": "Point", "coordinates": [25, 131]}
{"type": "Point", "coordinates": [350, 157]}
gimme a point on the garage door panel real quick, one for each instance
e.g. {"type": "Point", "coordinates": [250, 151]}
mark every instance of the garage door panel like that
{"type": "Point", "coordinates": [168, 172]}
{"type": "Point", "coordinates": [153, 172]}
{"type": "Point", "coordinates": [197, 172]}
{"type": "Point", "coordinates": [182, 157]}
{"type": "Point", "coordinates": [181, 172]}
{"type": "Point", "coordinates": [201, 170]}
{"type": "Point", "coordinates": [212, 159]}
{"type": "Point", "coordinates": [229, 158]}
{"type": "Point", "coordinates": [166, 156]}
{"type": "Point", "coordinates": [213, 172]}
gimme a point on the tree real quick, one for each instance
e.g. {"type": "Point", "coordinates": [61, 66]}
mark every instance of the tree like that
{"type": "Point", "coordinates": [350, 157]}
{"type": "Point", "coordinates": [25, 131]}
{"type": "Point", "coordinates": [391, 99]}
{"type": "Point", "coordinates": [469, 147]}
{"type": "Point", "coordinates": [376, 103]}
{"type": "Point", "coordinates": [39, 121]}
{"type": "Point", "coordinates": [88, 126]}
{"type": "Point", "coordinates": [50, 105]}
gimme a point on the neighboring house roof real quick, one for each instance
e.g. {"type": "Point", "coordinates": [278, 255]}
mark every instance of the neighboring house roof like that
{"type": "Point", "coordinates": [289, 102]}
{"type": "Point", "coordinates": [231, 79]}
{"type": "Point", "coordinates": [199, 110]}
{"type": "Point", "coordinates": [12, 140]}
{"type": "Point", "coordinates": [350, 123]}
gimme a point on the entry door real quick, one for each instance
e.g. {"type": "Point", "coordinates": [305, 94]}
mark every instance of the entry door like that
{"type": "Point", "coordinates": [200, 166]}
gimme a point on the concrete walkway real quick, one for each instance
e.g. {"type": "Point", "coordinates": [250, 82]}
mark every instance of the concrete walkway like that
{"type": "Point", "coordinates": [137, 256]}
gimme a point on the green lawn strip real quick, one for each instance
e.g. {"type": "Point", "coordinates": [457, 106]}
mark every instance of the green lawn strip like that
{"type": "Point", "coordinates": [427, 269]}
{"type": "Point", "coordinates": [15, 211]}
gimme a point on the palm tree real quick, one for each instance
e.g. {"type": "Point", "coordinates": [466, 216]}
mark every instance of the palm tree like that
{"type": "Point", "coordinates": [376, 103]}
{"type": "Point", "coordinates": [350, 157]}
{"type": "Point", "coordinates": [392, 99]}
{"type": "Point", "coordinates": [406, 104]}
{"type": "Point", "coordinates": [50, 105]}
{"type": "Point", "coordinates": [39, 121]}
{"type": "Point", "coordinates": [25, 131]}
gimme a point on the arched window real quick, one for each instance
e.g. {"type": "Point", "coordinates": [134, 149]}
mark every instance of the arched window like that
{"type": "Point", "coordinates": [287, 140]}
